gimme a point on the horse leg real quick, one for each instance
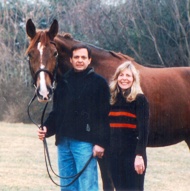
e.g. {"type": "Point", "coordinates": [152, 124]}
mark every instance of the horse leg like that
{"type": "Point", "coordinates": [105, 173]}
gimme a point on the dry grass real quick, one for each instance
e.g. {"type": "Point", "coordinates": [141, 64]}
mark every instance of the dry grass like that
{"type": "Point", "coordinates": [21, 159]}
{"type": "Point", "coordinates": [168, 168]}
{"type": "Point", "coordinates": [22, 166]}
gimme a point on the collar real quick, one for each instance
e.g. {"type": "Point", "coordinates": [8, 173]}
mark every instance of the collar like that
{"type": "Point", "coordinates": [83, 73]}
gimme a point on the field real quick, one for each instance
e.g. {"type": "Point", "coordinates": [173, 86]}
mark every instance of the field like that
{"type": "Point", "coordinates": [22, 166]}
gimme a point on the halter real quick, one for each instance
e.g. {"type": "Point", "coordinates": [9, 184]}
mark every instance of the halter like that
{"type": "Point", "coordinates": [46, 71]}
{"type": "Point", "coordinates": [46, 151]}
{"type": "Point", "coordinates": [52, 75]}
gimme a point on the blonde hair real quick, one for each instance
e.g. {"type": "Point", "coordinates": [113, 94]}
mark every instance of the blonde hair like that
{"type": "Point", "coordinates": [135, 88]}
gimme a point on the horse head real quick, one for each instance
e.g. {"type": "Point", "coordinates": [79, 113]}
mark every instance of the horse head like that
{"type": "Point", "coordinates": [42, 55]}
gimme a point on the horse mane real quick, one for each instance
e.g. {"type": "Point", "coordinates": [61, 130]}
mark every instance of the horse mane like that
{"type": "Point", "coordinates": [121, 56]}
{"type": "Point", "coordinates": [118, 55]}
{"type": "Point", "coordinates": [39, 35]}
{"type": "Point", "coordinates": [65, 35]}
{"type": "Point", "coordinates": [33, 42]}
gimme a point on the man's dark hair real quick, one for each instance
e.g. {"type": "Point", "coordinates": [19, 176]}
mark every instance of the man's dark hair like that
{"type": "Point", "coordinates": [79, 46]}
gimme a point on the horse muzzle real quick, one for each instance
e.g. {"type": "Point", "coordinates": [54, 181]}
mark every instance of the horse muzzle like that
{"type": "Point", "coordinates": [44, 95]}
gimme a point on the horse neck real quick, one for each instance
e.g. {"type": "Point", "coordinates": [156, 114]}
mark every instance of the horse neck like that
{"type": "Point", "coordinates": [103, 61]}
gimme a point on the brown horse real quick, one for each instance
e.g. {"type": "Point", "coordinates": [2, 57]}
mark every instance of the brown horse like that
{"type": "Point", "coordinates": [167, 89]}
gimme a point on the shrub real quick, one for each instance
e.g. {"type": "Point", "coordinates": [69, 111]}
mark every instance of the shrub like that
{"type": "Point", "coordinates": [14, 99]}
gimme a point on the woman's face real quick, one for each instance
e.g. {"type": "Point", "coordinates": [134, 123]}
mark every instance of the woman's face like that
{"type": "Point", "coordinates": [125, 79]}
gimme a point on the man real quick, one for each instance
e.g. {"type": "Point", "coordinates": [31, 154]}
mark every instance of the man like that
{"type": "Point", "coordinates": [79, 120]}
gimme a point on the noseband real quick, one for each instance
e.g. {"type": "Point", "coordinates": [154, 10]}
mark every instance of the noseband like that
{"type": "Point", "coordinates": [52, 75]}
{"type": "Point", "coordinates": [43, 70]}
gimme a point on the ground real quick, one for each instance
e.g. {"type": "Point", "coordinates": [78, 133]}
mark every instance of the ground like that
{"type": "Point", "coordinates": [22, 166]}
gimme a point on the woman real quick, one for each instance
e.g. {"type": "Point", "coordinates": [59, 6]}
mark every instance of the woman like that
{"type": "Point", "coordinates": [129, 116]}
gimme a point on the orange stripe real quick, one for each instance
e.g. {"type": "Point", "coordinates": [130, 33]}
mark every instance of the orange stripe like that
{"type": "Point", "coordinates": [122, 125]}
{"type": "Point", "coordinates": [116, 113]}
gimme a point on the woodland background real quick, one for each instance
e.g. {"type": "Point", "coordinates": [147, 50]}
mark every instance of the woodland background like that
{"type": "Point", "coordinates": [155, 33]}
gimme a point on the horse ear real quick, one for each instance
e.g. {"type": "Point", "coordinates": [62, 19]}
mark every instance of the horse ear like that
{"type": "Point", "coordinates": [30, 28]}
{"type": "Point", "coordinates": [53, 29]}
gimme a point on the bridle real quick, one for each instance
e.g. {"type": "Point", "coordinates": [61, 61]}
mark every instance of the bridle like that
{"type": "Point", "coordinates": [46, 151]}
{"type": "Point", "coordinates": [46, 71]}
{"type": "Point", "coordinates": [52, 75]}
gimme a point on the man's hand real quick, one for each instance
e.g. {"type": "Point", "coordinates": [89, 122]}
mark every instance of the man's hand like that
{"type": "Point", "coordinates": [42, 133]}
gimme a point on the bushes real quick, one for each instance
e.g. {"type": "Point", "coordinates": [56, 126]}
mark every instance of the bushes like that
{"type": "Point", "coordinates": [14, 99]}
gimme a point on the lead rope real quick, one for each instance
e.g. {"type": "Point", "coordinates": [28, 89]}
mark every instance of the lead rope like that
{"type": "Point", "coordinates": [46, 151]}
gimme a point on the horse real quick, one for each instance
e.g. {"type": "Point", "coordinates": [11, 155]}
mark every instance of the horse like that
{"type": "Point", "coordinates": [167, 89]}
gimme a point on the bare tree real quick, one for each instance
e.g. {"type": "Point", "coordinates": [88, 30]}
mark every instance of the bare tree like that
{"type": "Point", "coordinates": [154, 32]}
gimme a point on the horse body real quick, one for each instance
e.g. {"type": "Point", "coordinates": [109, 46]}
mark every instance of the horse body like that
{"type": "Point", "coordinates": [165, 88]}
{"type": "Point", "coordinates": [168, 94]}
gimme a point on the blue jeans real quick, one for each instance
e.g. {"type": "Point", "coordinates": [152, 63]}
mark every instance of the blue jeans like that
{"type": "Point", "coordinates": [72, 157]}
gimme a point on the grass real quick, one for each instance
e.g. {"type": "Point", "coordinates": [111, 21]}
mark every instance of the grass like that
{"type": "Point", "coordinates": [168, 168]}
{"type": "Point", "coordinates": [22, 166]}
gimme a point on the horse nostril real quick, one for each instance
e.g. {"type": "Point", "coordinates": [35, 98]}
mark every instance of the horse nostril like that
{"type": "Point", "coordinates": [44, 94]}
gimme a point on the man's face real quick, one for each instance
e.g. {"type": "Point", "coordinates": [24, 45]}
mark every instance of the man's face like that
{"type": "Point", "coordinates": [80, 60]}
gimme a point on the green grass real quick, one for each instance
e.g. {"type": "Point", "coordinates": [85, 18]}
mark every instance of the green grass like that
{"type": "Point", "coordinates": [22, 166]}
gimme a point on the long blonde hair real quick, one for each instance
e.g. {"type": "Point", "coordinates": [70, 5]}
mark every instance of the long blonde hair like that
{"type": "Point", "coordinates": [135, 88]}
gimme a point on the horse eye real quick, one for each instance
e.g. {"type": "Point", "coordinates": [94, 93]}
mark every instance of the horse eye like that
{"type": "Point", "coordinates": [55, 54]}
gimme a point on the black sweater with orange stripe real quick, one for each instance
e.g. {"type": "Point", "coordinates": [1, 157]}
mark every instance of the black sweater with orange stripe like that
{"type": "Point", "coordinates": [129, 125]}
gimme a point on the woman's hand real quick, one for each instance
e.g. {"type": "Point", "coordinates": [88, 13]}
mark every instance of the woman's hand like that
{"type": "Point", "coordinates": [98, 151]}
{"type": "Point", "coordinates": [139, 164]}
